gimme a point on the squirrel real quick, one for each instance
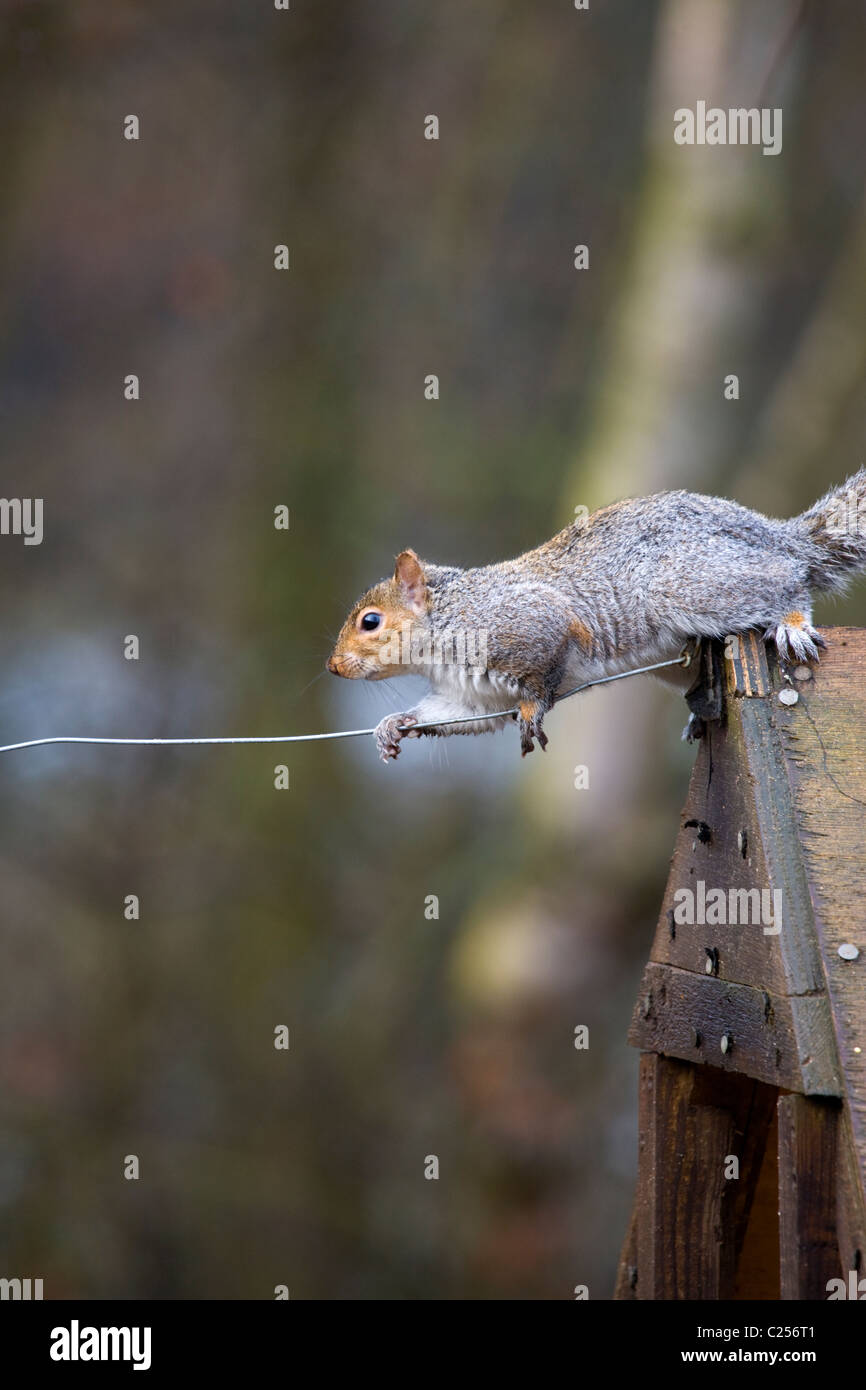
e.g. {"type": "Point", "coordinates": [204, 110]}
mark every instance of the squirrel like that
{"type": "Point", "coordinates": [627, 585]}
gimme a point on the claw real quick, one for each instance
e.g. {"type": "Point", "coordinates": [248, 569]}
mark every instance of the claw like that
{"type": "Point", "coordinates": [796, 639]}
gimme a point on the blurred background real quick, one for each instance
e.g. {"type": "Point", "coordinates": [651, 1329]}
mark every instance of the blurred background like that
{"type": "Point", "coordinates": [410, 1035]}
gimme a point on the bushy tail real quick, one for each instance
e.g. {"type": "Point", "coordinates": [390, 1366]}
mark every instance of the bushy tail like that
{"type": "Point", "coordinates": [836, 526]}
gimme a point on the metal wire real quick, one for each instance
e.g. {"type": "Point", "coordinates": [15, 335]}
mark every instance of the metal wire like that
{"type": "Point", "coordinates": [682, 660]}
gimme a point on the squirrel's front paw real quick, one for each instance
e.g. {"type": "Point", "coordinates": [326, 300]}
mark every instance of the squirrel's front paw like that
{"type": "Point", "coordinates": [389, 732]}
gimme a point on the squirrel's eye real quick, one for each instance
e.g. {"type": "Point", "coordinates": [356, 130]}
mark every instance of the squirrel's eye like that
{"type": "Point", "coordinates": [371, 621]}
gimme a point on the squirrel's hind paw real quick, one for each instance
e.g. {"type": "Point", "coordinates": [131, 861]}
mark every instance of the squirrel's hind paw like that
{"type": "Point", "coordinates": [796, 639]}
{"type": "Point", "coordinates": [694, 730]}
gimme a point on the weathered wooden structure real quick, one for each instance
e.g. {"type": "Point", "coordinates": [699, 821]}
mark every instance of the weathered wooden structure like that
{"type": "Point", "coordinates": [753, 1032]}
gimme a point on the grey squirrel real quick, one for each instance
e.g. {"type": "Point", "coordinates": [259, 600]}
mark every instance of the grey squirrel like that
{"type": "Point", "coordinates": [627, 586]}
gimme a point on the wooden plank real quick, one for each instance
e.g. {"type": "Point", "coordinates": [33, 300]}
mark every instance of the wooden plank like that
{"type": "Point", "coordinates": [752, 1109]}
{"type": "Point", "coordinates": [770, 1038]}
{"type": "Point", "coordinates": [719, 846]}
{"type": "Point", "coordinates": [824, 738]}
{"type": "Point", "coordinates": [625, 1288]}
{"type": "Point", "coordinates": [850, 1212]}
{"type": "Point", "coordinates": [757, 1274]}
{"type": "Point", "coordinates": [691, 1216]}
{"type": "Point", "coordinates": [763, 760]}
{"type": "Point", "coordinates": [747, 666]}
{"type": "Point", "coordinates": [808, 1156]}
{"type": "Point", "coordinates": [680, 1180]}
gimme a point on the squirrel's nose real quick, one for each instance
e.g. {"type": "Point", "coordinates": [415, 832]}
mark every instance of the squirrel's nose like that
{"type": "Point", "coordinates": [331, 665]}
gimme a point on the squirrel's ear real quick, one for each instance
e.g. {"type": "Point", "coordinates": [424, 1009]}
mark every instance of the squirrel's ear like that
{"type": "Point", "coordinates": [409, 574]}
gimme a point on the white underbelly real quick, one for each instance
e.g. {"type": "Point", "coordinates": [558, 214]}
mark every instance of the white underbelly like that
{"type": "Point", "coordinates": [484, 691]}
{"type": "Point", "coordinates": [580, 669]}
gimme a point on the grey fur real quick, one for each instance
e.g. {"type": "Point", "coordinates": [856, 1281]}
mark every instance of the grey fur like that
{"type": "Point", "coordinates": [628, 586]}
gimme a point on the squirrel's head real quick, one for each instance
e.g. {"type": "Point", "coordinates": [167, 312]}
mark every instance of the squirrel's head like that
{"type": "Point", "coordinates": [370, 644]}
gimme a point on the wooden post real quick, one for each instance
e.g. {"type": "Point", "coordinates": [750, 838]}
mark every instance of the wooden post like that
{"type": "Point", "coordinates": [752, 1109]}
